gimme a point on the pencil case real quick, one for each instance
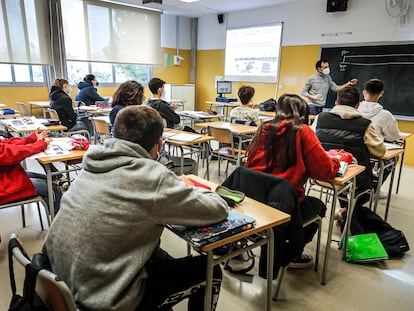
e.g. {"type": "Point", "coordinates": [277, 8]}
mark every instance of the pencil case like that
{"type": "Point", "coordinates": [232, 197]}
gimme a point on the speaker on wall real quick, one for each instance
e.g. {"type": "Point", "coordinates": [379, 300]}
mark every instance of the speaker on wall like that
{"type": "Point", "coordinates": [336, 5]}
{"type": "Point", "coordinates": [220, 18]}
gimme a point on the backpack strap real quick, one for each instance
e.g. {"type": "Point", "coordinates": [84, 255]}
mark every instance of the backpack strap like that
{"type": "Point", "coordinates": [12, 244]}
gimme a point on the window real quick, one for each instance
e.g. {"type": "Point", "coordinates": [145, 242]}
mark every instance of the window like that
{"type": "Point", "coordinates": [108, 74]}
{"type": "Point", "coordinates": [16, 74]}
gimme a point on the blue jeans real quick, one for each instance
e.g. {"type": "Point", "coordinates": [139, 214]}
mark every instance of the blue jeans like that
{"type": "Point", "coordinates": [40, 184]}
{"type": "Point", "coordinates": [315, 110]}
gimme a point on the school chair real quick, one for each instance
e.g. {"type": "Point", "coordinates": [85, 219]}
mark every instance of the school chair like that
{"type": "Point", "coordinates": [52, 291]}
{"type": "Point", "coordinates": [23, 110]}
{"type": "Point", "coordinates": [226, 149]}
{"type": "Point", "coordinates": [36, 199]}
{"type": "Point", "coordinates": [54, 115]}
{"type": "Point", "coordinates": [102, 130]}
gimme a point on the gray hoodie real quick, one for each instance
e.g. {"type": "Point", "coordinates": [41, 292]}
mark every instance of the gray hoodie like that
{"type": "Point", "coordinates": [111, 220]}
{"type": "Point", "coordinates": [383, 121]}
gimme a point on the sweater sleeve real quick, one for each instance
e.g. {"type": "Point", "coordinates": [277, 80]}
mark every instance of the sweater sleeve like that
{"type": "Point", "coordinates": [374, 143]}
{"type": "Point", "coordinates": [167, 113]}
{"type": "Point", "coordinates": [94, 96]}
{"type": "Point", "coordinates": [187, 206]}
{"type": "Point", "coordinates": [317, 162]}
{"type": "Point", "coordinates": [305, 90]}
{"type": "Point", "coordinates": [11, 154]}
{"type": "Point", "coordinates": [391, 131]}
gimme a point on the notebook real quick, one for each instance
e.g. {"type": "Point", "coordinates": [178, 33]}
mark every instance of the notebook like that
{"type": "Point", "coordinates": [365, 248]}
{"type": "Point", "coordinates": [199, 236]}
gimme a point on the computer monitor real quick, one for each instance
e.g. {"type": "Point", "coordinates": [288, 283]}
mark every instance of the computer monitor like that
{"type": "Point", "coordinates": [223, 87]}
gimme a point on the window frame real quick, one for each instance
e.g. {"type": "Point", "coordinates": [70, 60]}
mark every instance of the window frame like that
{"type": "Point", "coordinates": [45, 72]}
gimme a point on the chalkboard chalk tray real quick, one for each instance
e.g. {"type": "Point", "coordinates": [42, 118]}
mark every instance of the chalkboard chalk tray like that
{"type": "Point", "coordinates": [393, 64]}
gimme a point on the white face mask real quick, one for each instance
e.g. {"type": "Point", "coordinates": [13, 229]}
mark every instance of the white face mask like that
{"type": "Point", "coordinates": [69, 90]}
{"type": "Point", "coordinates": [326, 71]}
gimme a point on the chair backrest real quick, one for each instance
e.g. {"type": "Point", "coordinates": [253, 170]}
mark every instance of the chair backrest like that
{"type": "Point", "coordinates": [53, 114]}
{"type": "Point", "coordinates": [101, 127]}
{"type": "Point", "coordinates": [49, 287]}
{"type": "Point", "coordinates": [23, 110]}
{"type": "Point", "coordinates": [222, 135]}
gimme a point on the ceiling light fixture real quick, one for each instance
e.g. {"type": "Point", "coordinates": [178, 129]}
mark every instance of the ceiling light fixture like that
{"type": "Point", "coordinates": [189, 1]}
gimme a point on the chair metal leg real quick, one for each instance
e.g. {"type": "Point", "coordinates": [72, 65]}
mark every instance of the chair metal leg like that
{"type": "Point", "coordinates": [40, 216]}
{"type": "Point", "coordinates": [279, 282]}
{"type": "Point", "coordinates": [318, 245]}
{"type": "Point", "coordinates": [23, 215]}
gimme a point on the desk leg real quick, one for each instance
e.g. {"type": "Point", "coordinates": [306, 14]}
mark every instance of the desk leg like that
{"type": "Point", "coordinates": [50, 191]}
{"type": "Point", "coordinates": [270, 261]}
{"type": "Point", "coordinates": [206, 155]}
{"type": "Point", "coordinates": [182, 161]}
{"type": "Point", "coordinates": [209, 281]}
{"type": "Point", "coordinates": [329, 238]}
{"type": "Point", "coordinates": [345, 234]}
{"type": "Point", "coordinates": [378, 190]}
{"type": "Point", "coordinates": [401, 166]}
{"type": "Point", "coordinates": [239, 151]}
{"type": "Point", "coordinates": [394, 165]}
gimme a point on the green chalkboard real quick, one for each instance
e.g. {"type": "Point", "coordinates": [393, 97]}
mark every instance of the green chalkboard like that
{"type": "Point", "coordinates": [393, 64]}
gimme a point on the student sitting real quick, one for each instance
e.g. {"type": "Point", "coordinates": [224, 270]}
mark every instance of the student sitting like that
{"type": "Point", "coordinates": [286, 147]}
{"type": "Point", "coordinates": [244, 114]}
{"type": "Point", "coordinates": [345, 128]}
{"type": "Point", "coordinates": [128, 93]}
{"type": "Point", "coordinates": [166, 110]}
{"type": "Point", "coordinates": [16, 184]}
{"type": "Point", "coordinates": [62, 103]}
{"type": "Point", "coordinates": [104, 243]}
{"type": "Point", "coordinates": [87, 91]}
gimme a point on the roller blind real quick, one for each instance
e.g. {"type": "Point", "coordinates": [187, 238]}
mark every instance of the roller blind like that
{"type": "Point", "coordinates": [97, 31]}
{"type": "Point", "coordinates": [25, 32]}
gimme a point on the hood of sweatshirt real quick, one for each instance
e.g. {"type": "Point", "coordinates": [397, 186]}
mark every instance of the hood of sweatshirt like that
{"type": "Point", "coordinates": [369, 109]}
{"type": "Point", "coordinates": [346, 112]}
{"type": "Point", "coordinates": [83, 84]}
{"type": "Point", "coordinates": [113, 154]}
{"type": "Point", "coordinates": [56, 92]}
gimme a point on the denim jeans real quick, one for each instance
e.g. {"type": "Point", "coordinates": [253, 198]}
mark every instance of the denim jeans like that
{"type": "Point", "coordinates": [40, 184]}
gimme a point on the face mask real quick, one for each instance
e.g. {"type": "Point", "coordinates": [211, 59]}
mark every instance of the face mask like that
{"type": "Point", "coordinates": [69, 90]}
{"type": "Point", "coordinates": [97, 83]}
{"type": "Point", "coordinates": [326, 71]}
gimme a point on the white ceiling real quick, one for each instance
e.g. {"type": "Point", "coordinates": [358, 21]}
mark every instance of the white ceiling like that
{"type": "Point", "coordinates": [205, 7]}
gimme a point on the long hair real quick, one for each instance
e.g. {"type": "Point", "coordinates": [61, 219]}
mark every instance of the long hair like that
{"type": "Point", "coordinates": [280, 141]}
{"type": "Point", "coordinates": [128, 93]}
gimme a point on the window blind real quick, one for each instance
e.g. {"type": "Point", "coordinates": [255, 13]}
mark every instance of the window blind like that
{"type": "Point", "coordinates": [25, 32]}
{"type": "Point", "coordinates": [97, 31]}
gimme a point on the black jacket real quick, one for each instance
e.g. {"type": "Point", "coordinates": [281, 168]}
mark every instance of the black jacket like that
{"type": "Point", "coordinates": [62, 103]}
{"type": "Point", "coordinates": [87, 93]}
{"type": "Point", "coordinates": [165, 111]}
{"type": "Point", "coordinates": [278, 193]}
{"type": "Point", "coordinates": [347, 134]}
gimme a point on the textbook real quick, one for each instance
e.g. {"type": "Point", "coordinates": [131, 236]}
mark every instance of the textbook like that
{"type": "Point", "coordinates": [199, 236]}
{"type": "Point", "coordinates": [365, 248]}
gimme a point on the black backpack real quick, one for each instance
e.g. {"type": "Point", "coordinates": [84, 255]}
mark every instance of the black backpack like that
{"type": "Point", "coordinates": [366, 221]}
{"type": "Point", "coordinates": [29, 301]}
{"type": "Point", "coordinates": [268, 105]}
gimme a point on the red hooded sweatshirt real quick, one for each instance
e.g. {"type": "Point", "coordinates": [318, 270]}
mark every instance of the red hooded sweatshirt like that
{"type": "Point", "coordinates": [14, 182]}
{"type": "Point", "coordinates": [311, 159]}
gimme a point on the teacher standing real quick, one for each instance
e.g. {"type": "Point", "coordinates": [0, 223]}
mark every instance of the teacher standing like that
{"type": "Point", "coordinates": [318, 85]}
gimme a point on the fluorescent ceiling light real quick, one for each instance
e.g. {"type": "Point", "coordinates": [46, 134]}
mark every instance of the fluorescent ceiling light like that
{"type": "Point", "coordinates": [189, 1]}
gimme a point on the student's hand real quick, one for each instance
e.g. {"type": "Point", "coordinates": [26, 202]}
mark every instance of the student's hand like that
{"type": "Point", "coordinates": [42, 135]}
{"type": "Point", "coordinates": [316, 96]}
{"type": "Point", "coordinates": [187, 180]}
{"type": "Point", "coordinates": [173, 106]}
{"type": "Point", "coordinates": [353, 82]}
{"type": "Point", "coordinates": [48, 140]}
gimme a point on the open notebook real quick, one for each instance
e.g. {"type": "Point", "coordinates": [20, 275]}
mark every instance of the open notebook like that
{"type": "Point", "coordinates": [199, 236]}
{"type": "Point", "coordinates": [365, 248]}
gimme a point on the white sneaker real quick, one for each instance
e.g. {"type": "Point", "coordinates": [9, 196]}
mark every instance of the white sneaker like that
{"type": "Point", "coordinates": [302, 262]}
{"type": "Point", "coordinates": [383, 195]}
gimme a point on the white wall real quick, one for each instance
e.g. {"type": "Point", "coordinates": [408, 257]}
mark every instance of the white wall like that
{"type": "Point", "coordinates": [306, 20]}
{"type": "Point", "coordinates": [169, 32]}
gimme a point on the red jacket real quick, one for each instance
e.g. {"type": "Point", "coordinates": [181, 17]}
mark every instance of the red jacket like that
{"type": "Point", "coordinates": [14, 182]}
{"type": "Point", "coordinates": [311, 159]}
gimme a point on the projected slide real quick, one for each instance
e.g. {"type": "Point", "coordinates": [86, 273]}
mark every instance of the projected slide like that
{"type": "Point", "coordinates": [253, 53]}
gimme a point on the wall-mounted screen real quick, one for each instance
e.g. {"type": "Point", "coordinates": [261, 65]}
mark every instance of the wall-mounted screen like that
{"type": "Point", "coordinates": [253, 53]}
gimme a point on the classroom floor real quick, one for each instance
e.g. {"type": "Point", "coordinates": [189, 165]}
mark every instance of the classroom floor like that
{"type": "Point", "coordinates": [387, 285]}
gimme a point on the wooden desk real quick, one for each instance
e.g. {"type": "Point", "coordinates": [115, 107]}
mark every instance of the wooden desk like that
{"type": "Point", "coordinates": [384, 163]}
{"type": "Point", "coordinates": [403, 141]}
{"type": "Point", "coordinates": [339, 185]}
{"type": "Point", "coordinates": [2, 105]}
{"type": "Point", "coordinates": [9, 116]}
{"type": "Point", "coordinates": [198, 116]}
{"type": "Point", "coordinates": [266, 218]}
{"type": "Point", "coordinates": [202, 141]}
{"type": "Point", "coordinates": [47, 162]}
{"type": "Point", "coordinates": [270, 114]}
{"type": "Point", "coordinates": [225, 106]}
{"type": "Point", "coordinates": [44, 105]}
{"type": "Point", "coordinates": [94, 110]}
{"type": "Point", "coordinates": [239, 130]}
